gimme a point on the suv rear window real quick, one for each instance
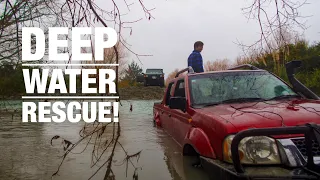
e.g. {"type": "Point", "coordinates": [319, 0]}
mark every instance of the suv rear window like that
{"type": "Point", "coordinates": [180, 89]}
{"type": "Point", "coordinates": [154, 71]}
{"type": "Point", "coordinates": [169, 92]}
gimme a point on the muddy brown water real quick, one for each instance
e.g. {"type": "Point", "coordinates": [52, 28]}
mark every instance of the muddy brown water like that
{"type": "Point", "coordinates": [26, 153]}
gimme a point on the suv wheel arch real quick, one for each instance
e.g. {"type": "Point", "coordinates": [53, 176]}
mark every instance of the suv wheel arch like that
{"type": "Point", "coordinates": [199, 141]}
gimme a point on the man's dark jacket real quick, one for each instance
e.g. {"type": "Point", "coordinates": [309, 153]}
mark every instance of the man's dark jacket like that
{"type": "Point", "coordinates": [195, 61]}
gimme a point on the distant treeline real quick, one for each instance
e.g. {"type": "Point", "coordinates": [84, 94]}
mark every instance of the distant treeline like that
{"type": "Point", "coordinates": [11, 80]}
{"type": "Point", "coordinates": [12, 83]}
{"type": "Point", "coordinates": [308, 74]}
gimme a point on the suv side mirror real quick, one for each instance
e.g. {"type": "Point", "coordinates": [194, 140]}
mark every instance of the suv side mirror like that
{"type": "Point", "coordinates": [178, 103]}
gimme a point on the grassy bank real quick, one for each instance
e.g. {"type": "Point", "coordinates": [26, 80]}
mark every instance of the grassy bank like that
{"type": "Point", "coordinates": [141, 93]}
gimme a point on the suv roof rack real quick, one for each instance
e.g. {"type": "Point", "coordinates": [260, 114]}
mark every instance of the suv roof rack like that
{"type": "Point", "coordinates": [244, 65]}
{"type": "Point", "coordinates": [189, 69]}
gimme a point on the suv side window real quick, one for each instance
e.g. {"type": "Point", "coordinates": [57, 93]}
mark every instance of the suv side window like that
{"type": "Point", "coordinates": [180, 89]}
{"type": "Point", "coordinates": [168, 95]}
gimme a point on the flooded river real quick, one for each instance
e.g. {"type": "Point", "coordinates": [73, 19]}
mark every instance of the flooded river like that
{"type": "Point", "coordinates": [26, 152]}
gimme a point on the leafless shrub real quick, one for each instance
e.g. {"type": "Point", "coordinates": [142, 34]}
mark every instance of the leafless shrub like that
{"type": "Point", "coordinates": [171, 76]}
{"type": "Point", "coordinates": [217, 65]}
{"type": "Point", "coordinates": [276, 18]}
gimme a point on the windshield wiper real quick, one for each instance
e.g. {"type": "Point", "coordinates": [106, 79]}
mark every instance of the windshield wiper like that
{"type": "Point", "coordinates": [211, 104]}
{"type": "Point", "coordinates": [241, 100]}
{"type": "Point", "coordinates": [249, 100]}
{"type": "Point", "coordinates": [233, 101]}
{"type": "Point", "coordinates": [284, 97]}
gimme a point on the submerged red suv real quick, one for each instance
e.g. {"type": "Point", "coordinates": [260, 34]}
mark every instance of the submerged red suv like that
{"type": "Point", "coordinates": [244, 124]}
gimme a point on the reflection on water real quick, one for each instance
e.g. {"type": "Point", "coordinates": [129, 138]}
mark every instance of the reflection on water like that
{"type": "Point", "coordinates": [26, 152]}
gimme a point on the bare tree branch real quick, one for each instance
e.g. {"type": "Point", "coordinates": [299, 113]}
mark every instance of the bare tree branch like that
{"type": "Point", "coordinates": [71, 13]}
{"type": "Point", "coordinates": [275, 18]}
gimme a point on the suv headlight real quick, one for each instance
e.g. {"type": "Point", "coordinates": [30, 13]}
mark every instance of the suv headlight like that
{"type": "Point", "coordinates": [253, 150]}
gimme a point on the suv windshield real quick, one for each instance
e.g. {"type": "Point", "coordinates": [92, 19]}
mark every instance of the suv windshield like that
{"type": "Point", "coordinates": [215, 88]}
{"type": "Point", "coordinates": [154, 71]}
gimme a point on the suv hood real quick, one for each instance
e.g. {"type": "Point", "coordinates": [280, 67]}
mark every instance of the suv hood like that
{"type": "Point", "coordinates": [267, 114]}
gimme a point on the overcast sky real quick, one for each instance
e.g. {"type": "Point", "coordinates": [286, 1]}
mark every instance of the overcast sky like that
{"type": "Point", "coordinates": [179, 23]}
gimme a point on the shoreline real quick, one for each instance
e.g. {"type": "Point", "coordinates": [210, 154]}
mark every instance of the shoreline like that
{"type": "Point", "coordinates": [128, 93]}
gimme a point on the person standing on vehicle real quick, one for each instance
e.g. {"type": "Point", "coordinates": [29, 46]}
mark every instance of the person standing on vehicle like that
{"type": "Point", "coordinates": [195, 58]}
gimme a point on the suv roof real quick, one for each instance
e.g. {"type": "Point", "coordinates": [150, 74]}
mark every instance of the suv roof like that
{"type": "Point", "coordinates": [290, 69]}
{"type": "Point", "coordinates": [216, 72]}
{"type": "Point", "coordinates": [223, 71]}
{"type": "Point", "coordinates": [236, 68]}
{"type": "Point", "coordinates": [157, 70]}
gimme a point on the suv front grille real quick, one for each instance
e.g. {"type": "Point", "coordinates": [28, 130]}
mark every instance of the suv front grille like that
{"type": "Point", "coordinates": [300, 143]}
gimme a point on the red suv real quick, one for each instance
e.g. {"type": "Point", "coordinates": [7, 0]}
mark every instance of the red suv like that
{"type": "Point", "coordinates": [244, 124]}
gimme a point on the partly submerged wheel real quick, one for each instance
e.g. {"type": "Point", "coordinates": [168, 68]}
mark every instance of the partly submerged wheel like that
{"type": "Point", "coordinates": [156, 119]}
{"type": "Point", "coordinates": [192, 156]}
